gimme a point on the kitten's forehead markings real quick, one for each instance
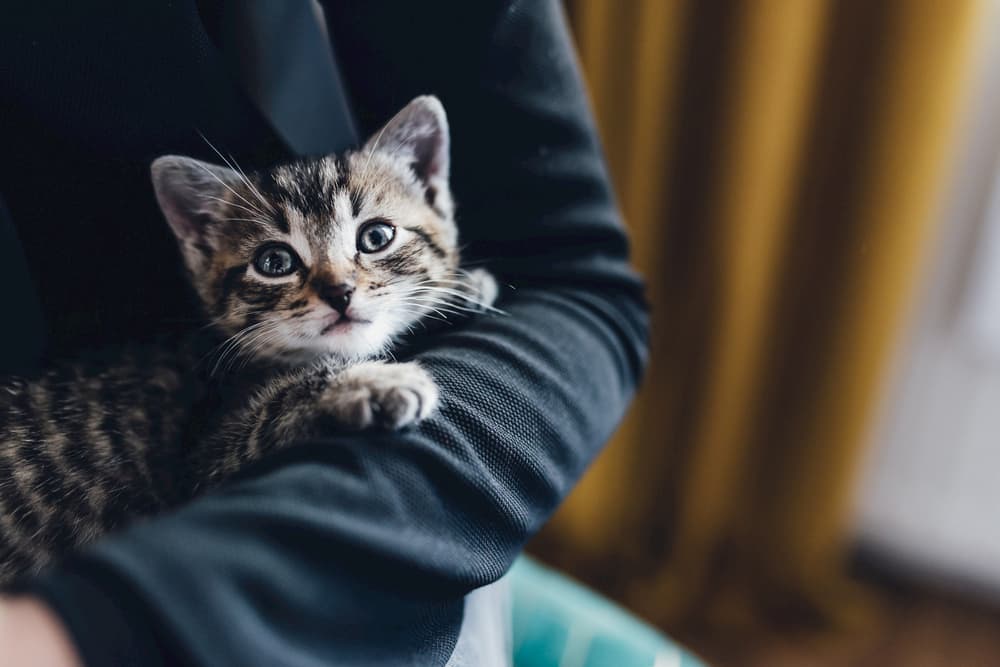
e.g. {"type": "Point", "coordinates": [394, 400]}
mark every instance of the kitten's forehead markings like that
{"type": "Point", "coordinates": [330, 173]}
{"type": "Point", "coordinates": [341, 235]}
{"type": "Point", "coordinates": [298, 237]}
{"type": "Point", "coordinates": [287, 181]}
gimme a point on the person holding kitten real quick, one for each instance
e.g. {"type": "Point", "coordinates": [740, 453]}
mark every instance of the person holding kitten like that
{"type": "Point", "coordinates": [341, 511]}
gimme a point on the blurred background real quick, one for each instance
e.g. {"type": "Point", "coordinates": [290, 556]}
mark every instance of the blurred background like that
{"type": "Point", "coordinates": [811, 474]}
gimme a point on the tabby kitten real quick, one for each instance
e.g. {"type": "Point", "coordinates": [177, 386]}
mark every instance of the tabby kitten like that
{"type": "Point", "coordinates": [308, 272]}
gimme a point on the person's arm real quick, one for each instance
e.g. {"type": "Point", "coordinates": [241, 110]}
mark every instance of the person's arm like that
{"type": "Point", "coordinates": [359, 549]}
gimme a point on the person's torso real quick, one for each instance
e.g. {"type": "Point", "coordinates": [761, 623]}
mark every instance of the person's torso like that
{"type": "Point", "coordinates": [86, 103]}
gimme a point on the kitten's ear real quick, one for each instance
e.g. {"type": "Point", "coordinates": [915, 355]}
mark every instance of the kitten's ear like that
{"type": "Point", "coordinates": [188, 191]}
{"type": "Point", "coordinates": [418, 134]}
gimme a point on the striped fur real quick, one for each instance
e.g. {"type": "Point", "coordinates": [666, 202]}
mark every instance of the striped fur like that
{"type": "Point", "coordinates": [89, 446]}
{"type": "Point", "coordinates": [84, 448]}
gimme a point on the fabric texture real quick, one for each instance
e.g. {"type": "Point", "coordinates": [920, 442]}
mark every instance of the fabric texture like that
{"type": "Point", "coordinates": [350, 549]}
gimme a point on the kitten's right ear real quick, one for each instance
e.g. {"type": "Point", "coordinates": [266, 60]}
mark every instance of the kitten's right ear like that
{"type": "Point", "coordinates": [418, 134]}
{"type": "Point", "coordinates": [188, 192]}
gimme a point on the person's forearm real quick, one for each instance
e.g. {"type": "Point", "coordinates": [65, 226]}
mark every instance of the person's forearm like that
{"type": "Point", "coordinates": [31, 634]}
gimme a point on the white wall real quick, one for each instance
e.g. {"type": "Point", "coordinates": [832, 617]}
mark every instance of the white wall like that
{"type": "Point", "coordinates": [930, 499]}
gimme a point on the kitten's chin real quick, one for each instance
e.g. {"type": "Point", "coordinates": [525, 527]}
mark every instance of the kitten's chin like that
{"type": "Point", "coordinates": [351, 341]}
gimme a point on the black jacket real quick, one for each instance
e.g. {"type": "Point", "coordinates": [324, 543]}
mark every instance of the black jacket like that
{"type": "Point", "coordinates": [348, 549]}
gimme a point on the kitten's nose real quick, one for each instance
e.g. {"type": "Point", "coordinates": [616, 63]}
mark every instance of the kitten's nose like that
{"type": "Point", "coordinates": [338, 296]}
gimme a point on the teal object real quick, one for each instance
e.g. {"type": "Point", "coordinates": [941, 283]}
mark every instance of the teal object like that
{"type": "Point", "coordinates": [559, 623]}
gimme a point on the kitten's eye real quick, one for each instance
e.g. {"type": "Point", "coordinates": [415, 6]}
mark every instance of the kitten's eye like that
{"type": "Point", "coordinates": [275, 260]}
{"type": "Point", "coordinates": [375, 235]}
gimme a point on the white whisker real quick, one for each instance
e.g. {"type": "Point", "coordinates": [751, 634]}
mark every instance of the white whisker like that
{"type": "Point", "coordinates": [371, 151]}
{"type": "Point", "coordinates": [228, 187]}
{"type": "Point", "coordinates": [252, 211]}
{"type": "Point", "coordinates": [234, 165]}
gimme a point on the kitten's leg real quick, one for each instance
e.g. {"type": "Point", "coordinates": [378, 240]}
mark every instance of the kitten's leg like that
{"type": "Point", "coordinates": [380, 394]}
{"type": "Point", "coordinates": [371, 394]}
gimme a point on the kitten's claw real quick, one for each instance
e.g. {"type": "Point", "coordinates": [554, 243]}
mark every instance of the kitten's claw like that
{"type": "Point", "coordinates": [483, 287]}
{"type": "Point", "coordinates": [382, 395]}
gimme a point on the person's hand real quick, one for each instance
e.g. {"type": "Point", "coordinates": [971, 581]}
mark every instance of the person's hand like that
{"type": "Point", "coordinates": [30, 634]}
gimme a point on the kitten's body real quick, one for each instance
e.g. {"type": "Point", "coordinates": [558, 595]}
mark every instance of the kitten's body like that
{"type": "Point", "coordinates": [308, 272]}
{"type": "Point", "coordinates": [84, 448]}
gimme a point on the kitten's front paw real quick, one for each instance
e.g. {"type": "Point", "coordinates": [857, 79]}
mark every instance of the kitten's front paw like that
{"type": "Point", "coordinates": [382, 395]}
{"type": "Point", "coordinates": [483, 287]}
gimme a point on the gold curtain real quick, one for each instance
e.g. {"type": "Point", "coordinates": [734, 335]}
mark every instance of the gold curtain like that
{"type": "Point", "coordinates": [779, 163]}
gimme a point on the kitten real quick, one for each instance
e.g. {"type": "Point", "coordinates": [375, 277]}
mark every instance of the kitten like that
{"type": "Point", "coordinates": [308, 273]}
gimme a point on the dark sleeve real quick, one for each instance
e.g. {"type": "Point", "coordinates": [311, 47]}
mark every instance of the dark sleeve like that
{"type": "Point", "coordinates": [358, 550]}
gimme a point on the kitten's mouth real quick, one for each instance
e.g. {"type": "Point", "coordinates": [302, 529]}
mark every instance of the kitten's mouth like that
{"type": "Point", "coordinates": [342, 323]}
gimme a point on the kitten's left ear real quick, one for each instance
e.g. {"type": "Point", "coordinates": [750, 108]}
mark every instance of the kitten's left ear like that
{"type": "Point", "coordinates": [190, 193]}
{"type": "Point", "coordinates": [186, 190]}
{"type": "Point", "coordinates": [419, 135]}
